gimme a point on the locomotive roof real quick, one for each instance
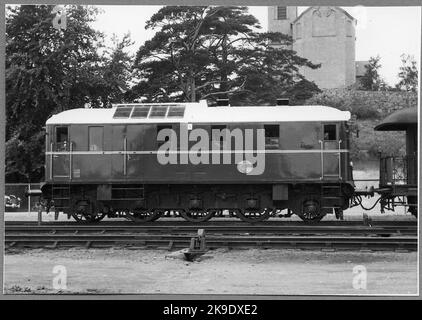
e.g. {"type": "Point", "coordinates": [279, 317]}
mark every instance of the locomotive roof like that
{"type": "Point", "coordinates": [399, 120]}
{"type": "Point", "coordinates": [196, 113]}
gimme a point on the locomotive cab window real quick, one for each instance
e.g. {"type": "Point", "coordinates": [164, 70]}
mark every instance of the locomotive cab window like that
{"type": "Point", "coordinates": [95, 140]}
{"type": "Point", "coordinates": [330, 132]}
{"type": "Point", "coordinates": [272, 136]}
{"type": "Point", "coordinates": [62, 138]}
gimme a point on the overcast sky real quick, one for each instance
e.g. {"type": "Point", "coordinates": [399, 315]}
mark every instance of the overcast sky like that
{"type": "Point", "coordinates": [387, 31]}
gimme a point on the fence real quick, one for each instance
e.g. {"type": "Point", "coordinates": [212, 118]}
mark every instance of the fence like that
{"type": "Point", "coordinates": [17, 190]}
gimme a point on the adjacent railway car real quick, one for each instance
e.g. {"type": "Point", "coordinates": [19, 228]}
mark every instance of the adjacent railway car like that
{"type": "Point", "coordinates": [399, 174]}
{"type": "Point", "coordinates": [192, 160]}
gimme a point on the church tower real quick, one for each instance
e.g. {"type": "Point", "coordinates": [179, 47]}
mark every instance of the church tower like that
{"type": "Point", "coordinates": [280, 19]}
{"type": "Point", "coordinates": [323, 35]}
{"type": "Point", "coordinates": [326, 36]}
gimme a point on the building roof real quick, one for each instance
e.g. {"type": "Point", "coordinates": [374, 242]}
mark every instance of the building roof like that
{"type": "Point", "coordinates": [310, 8]}
{"type": "Point", "coordinates": [399, 120]}
{"type": "Point", "coordinates": [201, 113]}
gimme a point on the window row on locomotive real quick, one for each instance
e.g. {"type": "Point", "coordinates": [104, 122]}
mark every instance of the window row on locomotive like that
{"type": "Point", "coordinates": [218, 134]}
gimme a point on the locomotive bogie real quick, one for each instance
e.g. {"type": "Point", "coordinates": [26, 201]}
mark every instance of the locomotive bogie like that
{"type": "Point", "coordinates": [305, 200]}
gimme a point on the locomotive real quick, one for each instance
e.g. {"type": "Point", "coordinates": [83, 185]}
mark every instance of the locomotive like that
{"type": "Point", "coordinates": [143, 161]}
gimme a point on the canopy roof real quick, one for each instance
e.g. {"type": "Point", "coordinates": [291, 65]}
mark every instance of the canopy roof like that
{"type": "Point", "coordinates": [197, 113]}
{"type": "Point", "coordinates": [399, 120]}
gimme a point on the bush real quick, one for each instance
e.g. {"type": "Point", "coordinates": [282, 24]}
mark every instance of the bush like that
{"type": "Point", "coordinates": [370, 142]}
{"type": "Point", "coordinates": [369, 108]}
{"type": "Point", "coordinates": [365, 104]}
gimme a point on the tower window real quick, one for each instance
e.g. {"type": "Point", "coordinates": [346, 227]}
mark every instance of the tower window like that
{"type": "Point", "coordinates": [298, 31]}
{"type": "Point", "coordinates": [281, 13]}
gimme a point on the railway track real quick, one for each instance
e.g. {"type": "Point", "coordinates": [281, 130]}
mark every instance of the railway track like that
{"type": "Point", "coordinates": [174, 235]}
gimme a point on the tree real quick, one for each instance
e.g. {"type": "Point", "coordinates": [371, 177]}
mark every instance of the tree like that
{"type": "Point", "coordinates": [302, 91]}
{"type": "Point", "coordinates": [371, 80]}
{"type": "Point", "coordinates": [408, 74]}
{"type": "Point", "coordinates": [203, 52]}
{"type": "Point", "coordinates": [116, 72]}
{"type": "Point", "coordinates": [48, 70]}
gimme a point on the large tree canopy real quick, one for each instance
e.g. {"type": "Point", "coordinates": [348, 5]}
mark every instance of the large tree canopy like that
{"type": "Point", "coordinates": [196, 53]}
{"type": "Point", "coordinates": [203, 52]}
{"type": "Point", "coordinates": [49, 70]}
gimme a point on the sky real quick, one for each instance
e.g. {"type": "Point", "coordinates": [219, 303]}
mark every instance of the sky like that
{"type": "Point", "coordinates": [384, 31]}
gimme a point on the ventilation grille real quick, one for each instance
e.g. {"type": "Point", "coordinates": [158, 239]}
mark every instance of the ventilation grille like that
{"type": "Point", "coordinates": [150, 111]}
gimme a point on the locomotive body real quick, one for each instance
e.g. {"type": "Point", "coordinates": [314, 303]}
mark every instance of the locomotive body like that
{"type": "Point", "coordinates": [251, 160]}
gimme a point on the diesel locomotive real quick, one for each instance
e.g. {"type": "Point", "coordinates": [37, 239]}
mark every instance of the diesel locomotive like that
{"type": "Point", "coordinates": [192, 160]}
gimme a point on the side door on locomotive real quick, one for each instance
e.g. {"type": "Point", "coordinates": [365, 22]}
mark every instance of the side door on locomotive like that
{"type": "Point", "coordinates": [331, 145]}
{"type": "Point", "coordinates": [58, 140]}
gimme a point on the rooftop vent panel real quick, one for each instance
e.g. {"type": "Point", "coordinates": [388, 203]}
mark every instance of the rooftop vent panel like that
{"type": "Point", "coordinates": [223, 102]}
{"type": "Point", "coordinates": [158, 112]}
{"type": "Point", "coordinates": [176, 112]}
{"type": "Point", "coordinates": [140, 112]}
{"type": "Point", "coordinates": [122, 112]}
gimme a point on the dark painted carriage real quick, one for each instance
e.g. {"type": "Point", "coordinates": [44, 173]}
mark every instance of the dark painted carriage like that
{"type": "Point", "coordinates": [104, 162]}
{"type": "Point", "coordinates": [399, 174]}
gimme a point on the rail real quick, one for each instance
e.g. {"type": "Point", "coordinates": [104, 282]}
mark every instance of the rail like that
{"type": "Point", "coordinates": [327, 236]}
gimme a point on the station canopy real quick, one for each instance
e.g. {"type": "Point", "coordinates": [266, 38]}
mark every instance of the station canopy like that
{"type": "Point", "coordinates": [399, 120]}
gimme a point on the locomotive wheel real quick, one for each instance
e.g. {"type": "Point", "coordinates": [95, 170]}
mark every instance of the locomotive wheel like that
{"type": "Point", "coordinates": [197, 215]}
{"type": "Point", "coordinates": [311, 211]}
{"type": "Point", "coordinates": [84, 211]}
{"type": "Point", "coordinates": [252, 216]}
{"type": "Point", "coordinates": [144, 215]}
{"type": "Point", "coordinates": [81, 217]}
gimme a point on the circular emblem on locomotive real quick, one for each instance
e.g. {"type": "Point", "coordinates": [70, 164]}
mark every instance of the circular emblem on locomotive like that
{"type": "Point", "coordinates": [245, 167]}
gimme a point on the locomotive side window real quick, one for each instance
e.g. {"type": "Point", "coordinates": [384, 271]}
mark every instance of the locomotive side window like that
{"type": "Point", "coordinates": [62, 138]}
{"type": "Point", "coordinates": [330, 132]}
{"type": "Point", "coordinates": [217, 136]}
{"type": "Point", "coordinates": [95, 141]}
{"type": "Point", "coordinates": [167, 138]}
{"type": "Point", "coordinates": [272, 136]}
